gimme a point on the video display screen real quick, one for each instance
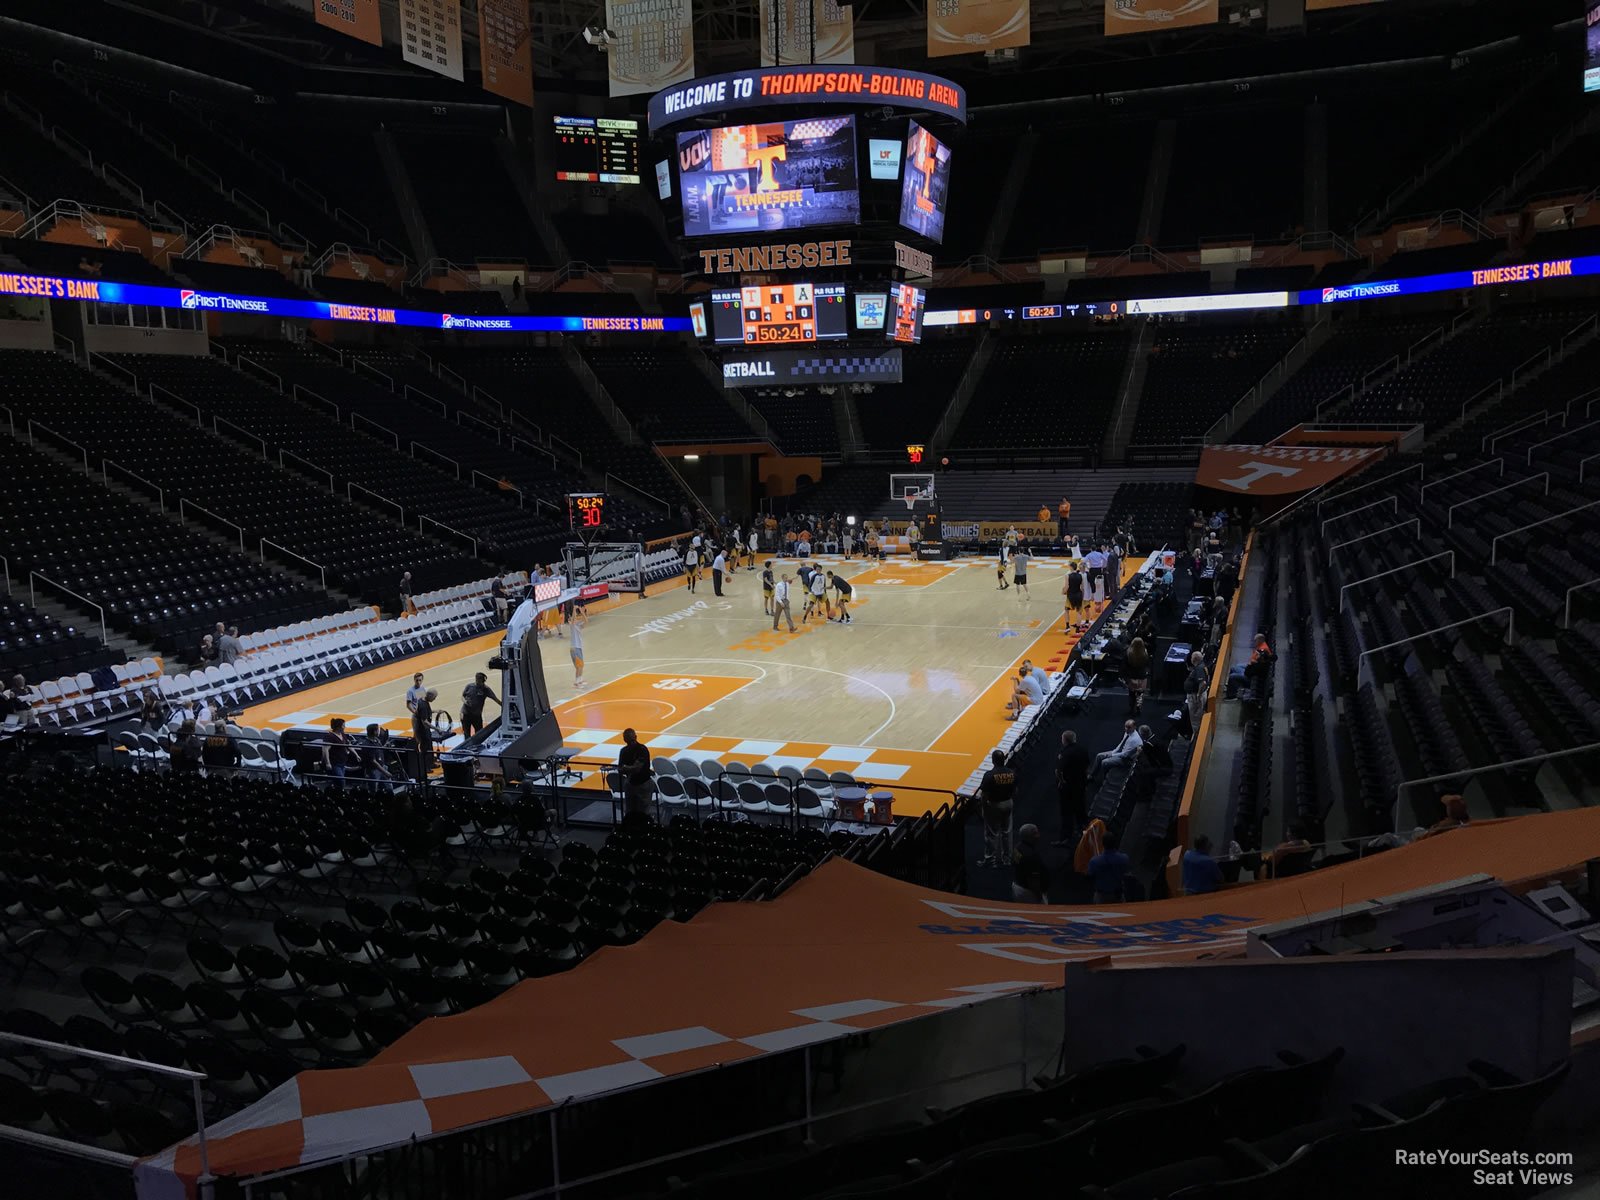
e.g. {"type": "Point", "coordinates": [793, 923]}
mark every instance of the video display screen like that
{"type": "Point", "coordinates": [664, 179]}
{"type": "Point", "coordinates": [925, 187]}
{"type": "Point", "coordinates": [883, 158]}
{"type": "Point", "coordinates": [871, 309]}
{"type": "Point", "coordinates": [779, 314]}
{"type": "Point", "coordinates": [597, 150]}
{"type": "Point", "coordinates": [1591, 62]}
{"type": "Point", "coordinates": [769, 177]}
{"type": "Point", "coordinates": [907, 303]}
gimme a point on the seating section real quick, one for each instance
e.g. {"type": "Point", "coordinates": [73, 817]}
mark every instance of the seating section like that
{"type": "Point", "coordinates": [665, 394]}
{"type": "Point", "coordinates": [1054, 199]}
{"type": "Point", "coordinates": [1195, 373]}
{"type": "Point", "coordinates": [1045, 392]}
{"type": "Point", "coordinates": [37, 646]}
{"type": "Point", "coordinates": [1157, 513]}
{"type": "Point", "coordinates": [361, 550]}
{"type": "Point", "coordinates": [472, 210]}
{"type": "Point", "coordinates": [1259, 151]}
{"type": "Point", "coordinates": [157, 581]}
{"type": "Point", "coordinates": [620, 236]}
{"type": "Point", "coordinates": [895, 415]}
{"type": "Point", "coordinates": [1352, 351]}
{"type": "Point", "coordinates": [803, 423]}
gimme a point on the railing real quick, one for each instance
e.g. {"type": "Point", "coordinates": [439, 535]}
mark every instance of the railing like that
{"type": "Point", "coordinates": [1566, 612]}
{"type": "Point", "coordinates": [535, 447]}
{"type": "Point", "coordinates": [152, 389]}
{"type": "Point", "coordinates": [1450, 513]}
{"type": "Point", "coordinates": [482, 397]}
{"type": "Point", "coordinates": [1500, 462]}
{"type": "Point", "coordinates": [494, 431]}
{"type": "Point", "coordinates": [1361, 487]}
{"type": "Point", "coordinates": [218, 422]}
{"type": "Point", "coordinates": [1417, 521]}
{"type": "Point", "coordinates": [423, 522]}
{"type": "Point", "coordinates": [244, 360]}
{"type": "Point", "coordinates": [288, 454]}
{"type": "Point", "coordinates": [1583, 466]}
{"type": "Point", "coordinates": [120, 1064]}
{"type": "Point", "coordinates": [497, 485]}
{"type": "Point", "coordinates": [1394, 500]}
{"type": "Point", "coordinates": [350, 489]}
{"type": "Point", "coordinates": [411, 393]}
{"type": "Point", "coordinates": [105, 470]}
{"type": "Point", "coordinates": [1494, 545]}
{"type": "Point", "coordinates": [1510, 637]}
{"type": "Point", "coordinates": [1469, 772]}
{"type": "Point", "coordinates": [638, 491]}
{"type": "Point", "coordinates": [384, 429]}
{"type": "Point", "coordinates": [61, 587]}
{"type": "Point", "coordinates": [1528, 462]}
{"type": "Point", "coordinates": [577, 455]}
{"type": "Point", "coordinates": [105, 361]}
{"type": "Point", "coordinates": [1498, 388]}
{"type": "Point", "coordinates": [5, 564]}
{"type": "Point", "coordinates": [1417, 562]}
{"type": "Point", "coordinates": [322, 572]}
{"type": "Point", "coordinates": [383, 377]}
{"type": "Point", "coordinates": [184, 503]}
{"type": "Point", "coordinates": [300, 392]}
{"type": "Point", "coordinates": [1281, 368]}
{"type": "Point", "coordinates": [60, 437]}
{"type": "Point", "coordinates": [1491, 441]}
{"type": "Point", "coordinates": [444, 458]}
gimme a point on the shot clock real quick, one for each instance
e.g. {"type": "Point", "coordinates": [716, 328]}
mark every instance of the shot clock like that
{"type": "Point", "coordinates": [586, 513]}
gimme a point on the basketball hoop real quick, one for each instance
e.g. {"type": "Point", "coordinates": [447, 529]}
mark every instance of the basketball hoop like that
{"type": "Point", "coordinates": [911, 501]}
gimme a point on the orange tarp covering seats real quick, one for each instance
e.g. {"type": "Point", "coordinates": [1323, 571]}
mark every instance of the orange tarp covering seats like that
{"type": "Point", "coordinates": [844, 949]}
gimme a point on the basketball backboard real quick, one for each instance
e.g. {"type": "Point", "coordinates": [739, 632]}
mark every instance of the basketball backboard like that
{"type": "Point", "coordinates": [912, 488]}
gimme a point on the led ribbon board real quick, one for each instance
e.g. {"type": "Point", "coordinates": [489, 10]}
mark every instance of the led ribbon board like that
{"type": "Point", "coordinates": [100, 291]}
{"type": "Point", "coordinates": [768, 87]}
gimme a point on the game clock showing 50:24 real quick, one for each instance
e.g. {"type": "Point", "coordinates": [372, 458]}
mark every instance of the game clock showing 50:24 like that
{"type": "Point", "coordinates": [586, 511]}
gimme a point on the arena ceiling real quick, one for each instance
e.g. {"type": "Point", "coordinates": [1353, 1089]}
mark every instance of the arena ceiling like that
{"type": "Point", "coordinates": [273, 45]}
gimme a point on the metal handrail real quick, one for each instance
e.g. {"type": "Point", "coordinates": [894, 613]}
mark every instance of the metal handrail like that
{"type": "Point", "coordinates": [32, 425]}
{"type": "Point", "coordinates": [1494, 544]}
{"type": "Point", "coordinates": [498, 485]}
{"type": "Point", "coordinates": [1511, 633]}
{"type": "Point", "coordinates": [161, 496]}
{"type": "Point", "coordinates": [152, 388]}
{"type": "Point", "coordinates": [355, 416]}
{"type": "Point", "coordinates": [218, 422]}
{"type": "Point", "coordinates": [435, 454]}
{"type": "Point", "coordinates": [1417, 521]}
{"type": "Point", "coordinates": [321, 570]}
{"type": "Point", "coordinates": [410, 393]}
{"type": "Point", "coordinates": [1565, 433]}
{"type": "Point", "coordinates": [297, 390]}
{"type": "Point", "coordinates": [1464, 471]}
{"type": "Point", "coordinates": [1394, 500]}
{"type": "Point", "coordinates": [283, 454]}
{"type": "Point", "coordinates": [463, 416]}
{"type": "Point", "coordinates": [1450, 513]}
{"type": "Point", "coordinates": [639, 491]}
{"type": "Point", "coordinates": [243, 360]}
{"type": "Point", "coordinates": [1566, 615]}
{"type": "Point", "coordinates": [1390, 478]}
{"type": "Point", "coordinates": [350, 488]}
{"type": "Point", "coordinates": [1416, 562]}
{"type": "Point", "coordinates": [184, 500]}
{"type": "Point", "coordinates": [422, 520]}
{"type": "Point", "coordinates": [33, 598]}
{"type": "Point", "coordinates": [1529, 760]}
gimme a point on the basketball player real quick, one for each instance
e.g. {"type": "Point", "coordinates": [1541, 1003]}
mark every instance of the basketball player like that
{"type": "Point", "coordinates": [754, 545]}
{"type": "Point", "coordinates": [849, 541]}
{"type": "Point", "coordinates": [768, 582]}
{"type": "Point", "coordinates": [1019, 564]}
{"type": "Point", "coordinates": [845, 592]}
{"type": "Point", "coordinates": [1072, 589]}
{"type": "Point", "coordinates": [819, 597]}
{"type": "Point", "coordinates": [579, 620]}
{"type": "Point", "coordinates": [691, 566]}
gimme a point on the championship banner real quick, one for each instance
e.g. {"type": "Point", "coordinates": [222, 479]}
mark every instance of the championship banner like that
{"type": "Point", "coordinates": [1278, 470]}
{"type": "Point", "coordinates": [430, 35]}
{"type": "Point", "coordinates": [1153, 16]}
{"type": "Point", "coordinates": [807, 31]}
{"type": "Point", "coordinates": [356, 18]}
{"type": "Point", "coordinates": [505, 40]}
{"type": "Point", "coordinates": [973, 26]}
{"type": "Point", "coordinates": [654, 47]}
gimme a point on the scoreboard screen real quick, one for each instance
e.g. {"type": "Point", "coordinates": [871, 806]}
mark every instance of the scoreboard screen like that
{"type": "Point", "coordinates": [780, 314]}
{"type": "Point", "coordinates": [597, 150]}
{"type": "Point", "coordinates": [925, 187]}
{"type": "Point", "coordinates": [1591, 64]}
{"type": "Point", "coordinates": [770, 177]}
{"type": "Point", "coordinates": [906, 304]}
{"type": "Point", "coordinates": [586, 511]}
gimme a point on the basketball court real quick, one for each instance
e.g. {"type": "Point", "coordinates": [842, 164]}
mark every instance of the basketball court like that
{"type": "Point", "coordinates": [912, 693]}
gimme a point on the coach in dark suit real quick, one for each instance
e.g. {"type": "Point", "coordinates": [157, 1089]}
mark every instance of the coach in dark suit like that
{"type": "Point", "coordinates": [1072, 782]}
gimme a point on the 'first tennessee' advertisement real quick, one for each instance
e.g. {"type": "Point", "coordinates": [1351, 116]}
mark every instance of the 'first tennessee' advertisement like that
{"type": "Point", "coordinates": [767, 178]}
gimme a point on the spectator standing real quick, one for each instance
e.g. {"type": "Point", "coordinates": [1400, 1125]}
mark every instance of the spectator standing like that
{"type": "Point", "coordinates": [336, 751]}
{"type": "Point", "coordinates": [373, 754]}
{"type": "Point", "coordinates": [998, 793]}
{"type": "Point", "coordinates": [422, 730]}
{"type": "Point", "coordinates": [1195, 686]}
{"type": "Point", "coordinates": [1064, 512]}
{"type": "Point", "coordinates": [1136, 674]}
{"type": "Point", "coordinates": [220, 754]}
{"type": "Point", "coordinates": [1107, 872]}
{"type": "Point", "coordinates": [472, 698]}
{"type": "Point", "coordinates": [230, 648]}
{"type": "Point", "coordinates": [1030, 877]}
{"type": "Point", "coordinates": [1201, 874]}
{"type": "Point", "coordinates": [415, 693]}
{"type": "Point", "coordinates": [153, 710]}
{"type": "Point", "coordinates": [502, 602]}
{"type": "Point", "coordinates": [1114, 558]}
{"type": "Point", "coordinates": [408, 606]}
{"type": "Point", "coordinates": [184, 754]}
{"type": "Point", "coordinates": [1072, 786]}
{"type": "Point", "coordinates": [780, 603]}
{"type": "Point", "coordinates": [633, 764]}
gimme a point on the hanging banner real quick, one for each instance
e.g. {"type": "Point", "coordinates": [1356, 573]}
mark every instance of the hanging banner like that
{"type": "Point", "coordinates": [1278, 470]}
{"type": "Point", "coordinates": [356, 18]}
{"type": "Point", "coordinates": [973, 26]}
{"type": "Point", "coordinates": [654, 47]}
{"type": "Point", "coordinates": [430, 35]}
{"type": "Point", "coordinates": [787, 28]}
{"type": "Point", "coordinates": [1152, 16]}
{"type": "Point", "coordinates": [505, 41]}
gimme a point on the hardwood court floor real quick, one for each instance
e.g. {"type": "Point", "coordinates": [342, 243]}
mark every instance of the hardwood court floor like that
{"type": "Point", "coordinates": [913, 692]}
